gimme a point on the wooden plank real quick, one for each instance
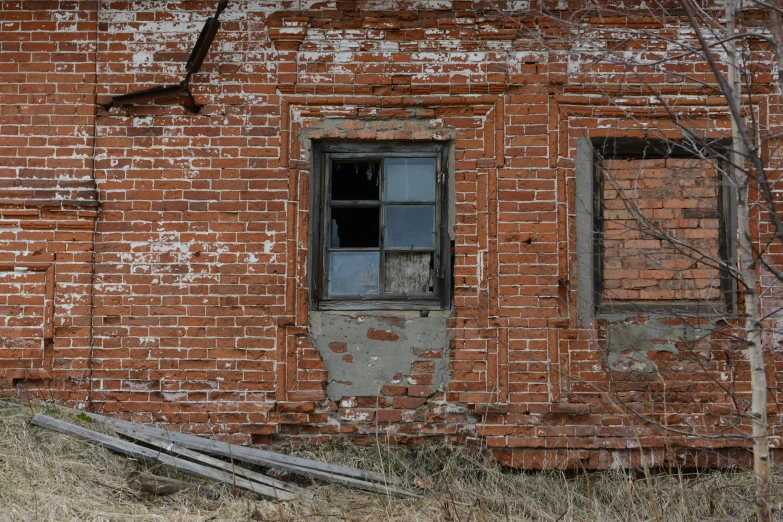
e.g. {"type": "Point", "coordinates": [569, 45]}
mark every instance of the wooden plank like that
{"type": "Point", "coordinates": [225, 449]}
{"type": "Point", "coordinates": [161, 486]}
{"type": "Point", "coordinates": [170, 447]}
{"type": "Point", "coordinates": [408, 272]}
{"type": "Point", "coordinates": [4, 404]}
{"type": "Point", "coordinates": [314, 469]}
{"type": "Point", "coordinates": [312, 472]}
{"type": "Point", "coordinates": [154, 456]}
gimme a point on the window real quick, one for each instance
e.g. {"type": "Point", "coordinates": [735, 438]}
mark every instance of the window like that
{"type": "Point", "coordinates": [655, 222]}
{"type": "Point", "coordinates": [379, 226]}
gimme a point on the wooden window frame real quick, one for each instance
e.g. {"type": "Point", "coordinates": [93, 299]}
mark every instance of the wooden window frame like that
{"type": "Point", "coordinates": [323, 153]}
{"type": "Point", "coordinates": [629, 148]}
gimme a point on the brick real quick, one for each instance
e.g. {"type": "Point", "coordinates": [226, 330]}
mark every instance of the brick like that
{"type": "Point", "coordinates": [408, 402]}
{"type": "Point", "coordinates": [338, 347]}
{"type": "Point", "coordinates": [199, 264]}
{"type": "Point", "coordinates": [391, 389]}
{"type": "Point", "coordinates": [382, 335]}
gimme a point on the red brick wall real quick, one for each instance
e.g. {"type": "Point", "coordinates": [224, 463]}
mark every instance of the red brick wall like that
{"type": "Point", "coordinates": [200, 316]}
{"type": "Point", "coordinates": [47, 194]}
{"type": "Point", "coordinates": [22, 295]}
{"type": "Point", "coordinates": [661, 230]}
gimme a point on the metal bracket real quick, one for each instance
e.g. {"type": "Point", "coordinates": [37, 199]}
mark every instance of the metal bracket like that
{"type": "Point", "coordinates": [196, 59]}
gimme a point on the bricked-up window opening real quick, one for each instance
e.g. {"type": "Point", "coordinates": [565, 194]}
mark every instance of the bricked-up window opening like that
{"type": "Point", "coordinates": [663, 228]}
{"type": "Point", "coordinates": [380, 225]}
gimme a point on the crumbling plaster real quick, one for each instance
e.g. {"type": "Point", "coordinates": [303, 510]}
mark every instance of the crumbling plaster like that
{"type": "Point", "coordinates": [639, 344]}
{"type": "Point", "coordinates": [363, 351]}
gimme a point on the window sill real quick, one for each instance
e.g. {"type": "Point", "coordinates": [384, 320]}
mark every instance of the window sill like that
{"type": "Point", "coordinates": [380, 304]}
{"type": "Point", "coordinates": [619, 311]}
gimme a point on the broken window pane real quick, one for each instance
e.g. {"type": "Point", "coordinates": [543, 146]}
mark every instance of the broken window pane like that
{"type": "Point", "coordinates": [409, 273]}
{"type": "Point", "coordinates": [353, 272]}
{"type": "Point", "coordinates": [409, 179]}
{"type": "Point", "coordinates": [355, 227]}
{"type": "Point", "coordinates": [410, 226]}
{"type": "Point", "coordinates": [355, 180]}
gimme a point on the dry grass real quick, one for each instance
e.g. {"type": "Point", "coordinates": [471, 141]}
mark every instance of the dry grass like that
{"type": "Point", "coordinates": [46, 476]}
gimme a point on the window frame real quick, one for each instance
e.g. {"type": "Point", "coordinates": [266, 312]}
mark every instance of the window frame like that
{"type": "Point", "coordinates": [323, 153]}
{"type": "Point", "coordinates": [589, 222]}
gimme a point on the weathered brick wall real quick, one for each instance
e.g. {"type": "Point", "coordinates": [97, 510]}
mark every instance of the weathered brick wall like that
{"type": "Point", "coordinates": [201, 315]}
{"type": "Point", "coordinates": [47, 194]}
{"type": "Point", "coordinates": [23, 301]}
{"type": "Point", "coordinates": [661, 230]}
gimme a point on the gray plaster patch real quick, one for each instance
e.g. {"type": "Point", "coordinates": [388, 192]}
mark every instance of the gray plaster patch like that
{"type": "Point", "coordinates": [363, 351]}
{"type": "Point", "coordinates": [630, 345]}
{"type": "Point", "coordinates": [585, 248]}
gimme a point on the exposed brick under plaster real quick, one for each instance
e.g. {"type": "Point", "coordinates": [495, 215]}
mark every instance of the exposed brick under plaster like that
{"type": "Point", "coordinates": [199, 302]}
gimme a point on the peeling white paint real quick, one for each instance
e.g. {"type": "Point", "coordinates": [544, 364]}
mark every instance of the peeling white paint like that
{"type": "Point", "coordinates": [174, 396]}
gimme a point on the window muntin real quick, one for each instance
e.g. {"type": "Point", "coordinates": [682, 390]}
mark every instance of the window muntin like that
{"type": "Point", "coordinates": [378, 224]}
{"type": "Point", "coordinates": [382, 236]}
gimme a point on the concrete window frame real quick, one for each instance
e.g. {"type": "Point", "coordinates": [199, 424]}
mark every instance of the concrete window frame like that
{"type": "Point", "coordinates": [322, 153]}
{"type": "Point", "coordinates": [589, 228]}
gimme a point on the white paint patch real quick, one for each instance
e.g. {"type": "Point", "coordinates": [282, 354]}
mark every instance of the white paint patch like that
{"type": "Point", "coordinates": [348, 403]}
{"type": "Point", "coordinates": [142, 58]}
{"type": "Point", "coordinates": [138, 385]}
{"type": "Point", "coordinates": [142, 121]}
{"type": "Point", "coordinates": [175, 396]}
{"type": "Point", "coordinates": [480, 269]}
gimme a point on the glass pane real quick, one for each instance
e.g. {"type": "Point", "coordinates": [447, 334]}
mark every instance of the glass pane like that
{"type": "Point", "coordinates": [409, 273]}
{"type": "Point", "coordinates": [409, 226]}
{"type": "Point", "coordinates": [409, 179]}
{"type": "Point", "coordinates": [353, 272]}
{"type": "Point", "coordinates": [355, 180]}
{"type": "Point", "coordinates": [355, 227]}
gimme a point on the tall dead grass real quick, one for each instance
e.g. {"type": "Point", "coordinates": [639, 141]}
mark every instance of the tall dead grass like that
{"type": "Point", "coordinates": [46, 476]}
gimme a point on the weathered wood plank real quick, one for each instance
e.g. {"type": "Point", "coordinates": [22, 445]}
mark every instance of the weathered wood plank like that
{"type": "Point", "coordinates": [408, 272]}
{"type": "Point", "coordinates": [313, 469]}
{"type": "Point", "coordinates": [245, 454]}
{"type": "Point", "coordinates": [225, 449]}
{"type": "Point", "coordinates": [161, 486]}
{"type": "Point", "coordinates": [154, 456]}
{"type": "Point", "coordinates": [170, 447]}
{"type": "Point", "coordinates": [4, 404]}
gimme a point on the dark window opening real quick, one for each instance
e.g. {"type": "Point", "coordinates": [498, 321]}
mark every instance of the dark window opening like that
{"type": "Point", "coordinates": [381, 226]}
{"type": "Point", "coordinates": [355, 180]}
{"type": "Point", "coordinates": [355, 228]}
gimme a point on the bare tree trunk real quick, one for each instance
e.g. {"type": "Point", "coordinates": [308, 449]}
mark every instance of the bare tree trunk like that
{"type": "Point", "coordinates": [747, 268]}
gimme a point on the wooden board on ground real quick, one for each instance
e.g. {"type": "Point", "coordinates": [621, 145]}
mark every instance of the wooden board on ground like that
{"type": "Point", "coordinates": [154, 456]}
{"type": "Point", "coordinates": [211, 446]}
{"type": "Point", "coordinates": [170, 447]}
{"type": "Point", "coordinates": [314, 469]}
{"type": "Point", "coordinates": [161, 486]}
{"type": "Point", "coordinates": [245, 454]}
